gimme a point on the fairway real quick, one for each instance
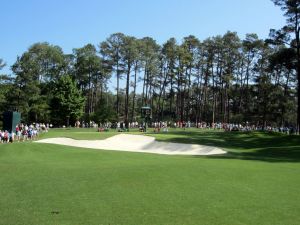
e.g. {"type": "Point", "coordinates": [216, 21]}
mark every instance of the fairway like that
{"type": "Point", "coordinates": [257, 182]}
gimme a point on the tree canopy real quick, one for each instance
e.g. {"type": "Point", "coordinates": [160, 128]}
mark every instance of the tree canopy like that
{"type": "Point", "coordinates": [67, 102]}
{"type": "Point", "coordinates": [290, 35]}
{"type": "Point", "coordinates": [219, 79]}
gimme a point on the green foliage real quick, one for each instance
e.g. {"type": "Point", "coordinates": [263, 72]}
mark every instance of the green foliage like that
{"type": "Point", "coordinates": [5, 87]}
{"type": "Point", "coordinates": [6, 84]}
{"type": "Point", "coordinates": [104, 113]}
{"type": "Point", "coordinates": [290, 35]}
{"type": "Point", "coordinates": [220, 79]}
{"type": "Point", "coordinates": [34, 70]}
{"type": "Point", "coordinates": [87, 65]}
{"type": "Point", "coordinates": [67, 102]}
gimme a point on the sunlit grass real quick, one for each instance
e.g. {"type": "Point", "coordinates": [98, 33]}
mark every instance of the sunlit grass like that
{"type": "Point", "coordinates": [257, 182]}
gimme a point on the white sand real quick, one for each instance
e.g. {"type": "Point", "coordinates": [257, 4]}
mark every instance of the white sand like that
{"type": "Point", "coordinates": [137, 143]}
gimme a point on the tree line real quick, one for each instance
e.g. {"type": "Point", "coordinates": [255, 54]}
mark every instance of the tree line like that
{"type": "Point", "coordinates": [220, 79]}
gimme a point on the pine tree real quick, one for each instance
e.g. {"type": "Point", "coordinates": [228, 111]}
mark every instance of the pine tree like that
{"type": "Point", "coordinates": [67, 102]}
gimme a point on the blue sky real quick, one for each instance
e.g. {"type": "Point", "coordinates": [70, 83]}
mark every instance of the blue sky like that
{"type": "Point", "coordinates": [74, 23]}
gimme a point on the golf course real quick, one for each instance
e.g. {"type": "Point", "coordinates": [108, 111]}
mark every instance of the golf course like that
{"type": "Point", "coordinates": [150, 112]}
{"type": "Point", "coordinates": [256, 182]}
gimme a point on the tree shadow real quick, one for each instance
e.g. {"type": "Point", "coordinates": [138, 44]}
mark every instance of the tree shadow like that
{"type": "Point", "coordinates": [272, 154]}
{"type": "Point", "coordinates": [262, 146]}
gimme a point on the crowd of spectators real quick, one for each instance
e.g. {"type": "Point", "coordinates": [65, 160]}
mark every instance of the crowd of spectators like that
{"type": "Point", "coordinates": [164, 126]}
{"type": "Point", "coordinates": [23, 132]}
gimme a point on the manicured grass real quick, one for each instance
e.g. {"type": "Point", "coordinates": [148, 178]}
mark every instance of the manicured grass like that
{"type": "Point", "coordinates": [78, 133]}
{"type": "Point", "coordinates": [258, 182]}
{"type": "Point", "coordinates": [241, 145]}
{"type": "Point", "coordinates": [83, 133]}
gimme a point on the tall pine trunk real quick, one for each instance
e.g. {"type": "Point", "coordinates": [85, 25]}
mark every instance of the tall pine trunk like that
{"type": "Point", "coordinates": [298, 73]}
{"type": "Point", "coordinates": [118, 86]}
{"type": "Point", "coordinates": [134, 92]}
{"type": "Point", "coordinates": [144, 85]}
{"type": "Point", "coordinates": [127, 95]}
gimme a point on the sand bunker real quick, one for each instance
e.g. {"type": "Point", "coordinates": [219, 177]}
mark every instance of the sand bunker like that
{"type": "Point", "coordinates": [137, 143]}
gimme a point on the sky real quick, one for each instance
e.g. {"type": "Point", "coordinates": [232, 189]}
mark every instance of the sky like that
{"type": "Point", "coordinates": [75, 23]}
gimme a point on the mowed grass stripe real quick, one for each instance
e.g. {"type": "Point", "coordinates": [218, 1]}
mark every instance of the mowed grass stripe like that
{"type": "Point", "coordinates": [50, 184]}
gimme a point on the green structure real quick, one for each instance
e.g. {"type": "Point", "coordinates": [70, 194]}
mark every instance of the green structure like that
{"type": "Point", "coordinates": [11, 120]}
{"type": "Point", "coordinates": [146, 115]}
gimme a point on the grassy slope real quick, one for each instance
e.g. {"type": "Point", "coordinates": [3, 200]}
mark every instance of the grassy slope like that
{"type": "Point", "coordinates": [78, 134]}
{"type": "Point", "coordinates": [257, 183]}
{"type": "Point", "coordinates": [254, 145]}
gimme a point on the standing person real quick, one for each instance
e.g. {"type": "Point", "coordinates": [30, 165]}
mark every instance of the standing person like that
{"type": "Point", "coordinates": [12, 136]}
{"type": "Point", "coordinates": [37, 125]}
{"type": "Point", "coordinates": [17, 128]}
{"type": "Point", "coordinates": [165, 127]}
{"type": "Point", "coordinates": [33, 135]}
{"type": "Point", "coordinates": [29, 133]}
{"type": "Point", "coordinates": [18, 133]}
{"type": "Point", "coordinates": [6, 137]}
{"type": "Point", "coordinates": [25, 135]}
{"type": "Point", "coordinates": [26, 127]}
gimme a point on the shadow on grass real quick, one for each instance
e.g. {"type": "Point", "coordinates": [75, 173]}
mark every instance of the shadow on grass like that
{"type": "Point", "coordinates": [270, 147]}
{"type": "Point", "coordinates": [273, 154]}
